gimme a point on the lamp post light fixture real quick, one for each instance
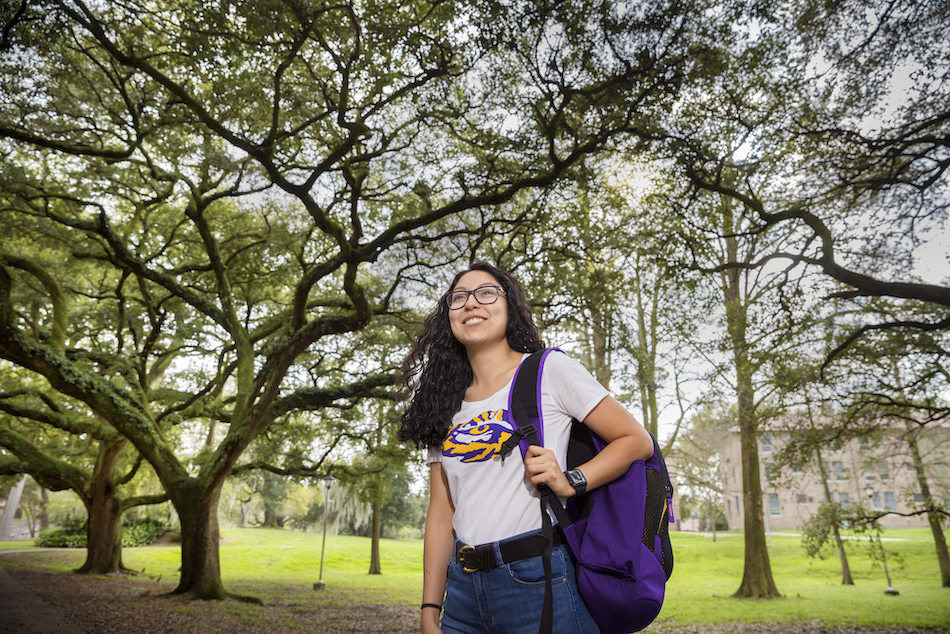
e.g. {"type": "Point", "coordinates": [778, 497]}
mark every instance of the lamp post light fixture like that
{"type": "Point", "coordinates": [327, 481]}
{"type": "Point", "coordinates": [891, 590]}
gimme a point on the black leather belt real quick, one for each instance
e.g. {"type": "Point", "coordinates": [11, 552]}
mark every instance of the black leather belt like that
{"type": "Point", "coordinates": [476, 558]}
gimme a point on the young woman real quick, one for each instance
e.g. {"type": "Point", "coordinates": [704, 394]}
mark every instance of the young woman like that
{"type": "Point", "coordinates": [482, 557]}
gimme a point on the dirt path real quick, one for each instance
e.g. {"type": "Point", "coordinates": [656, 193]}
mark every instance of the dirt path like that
{"type": "Point", "coordinates": [137, 605]}
{"type": "Point", "coordinates": [105, 605]}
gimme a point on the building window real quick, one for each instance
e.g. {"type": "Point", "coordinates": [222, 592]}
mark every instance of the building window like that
{"type": "Point", "coordinates": [918, 499]}
{"type": "Point", "coordinates": [890, 502]}
{"type": "Point", "coordinates": [766, 443]}
{"type": "Point", "coordinates": [876, 502]}
{"type": "Point", "coordinates": [775, 510]}
{"type": "Point", "coordinates": [801, 499]}
{"type": "Point", "coordinates": [844, 500]}
{"type": "Point", "coordinates": [910, 467]}
{"type": "Point", "coordinates": [840, 472]}
{"type": "Point", "coordinates": [770, 472]}
{"type": "Point", "coordinates": [796, 468]}
{"type": "Point", "coordinates": [884, 471]}
{"type": "Point", "coordinates": [728, 507]}
{"type": "Point", "coordinates": [738, 506]}
{"type": "Point", "coordinates": [870, 474]}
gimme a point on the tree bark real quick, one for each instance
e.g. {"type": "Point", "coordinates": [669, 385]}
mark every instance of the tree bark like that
{"type": "Point", "coordinates": [757, 582]}
{"type": "Point", "coordinates": [846, 578]}
{"type": "Point", "coordinates": [197, 508]}
{"type": "Point", "coordinates": [13, 501]}
{"type": "Point", "coordinates": [245, 510]}
{"type": "Point", "coordinates": [757, 579]}
{"type": "Point", "coordinates": [104, 537]}
{"type": "Point", "coordinates": [375, 566]}
{"type": "Point", "coordinates": [646, 362]}
{"type": "Point", "coordinates": [104, 528]}
{"type": "Point", "coordinates": [940, 542]}
{"type": "Point", "coordinates": [44, 508]}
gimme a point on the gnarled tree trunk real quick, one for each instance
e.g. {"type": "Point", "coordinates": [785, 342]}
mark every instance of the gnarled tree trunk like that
{"type": "Point", "coordinates": [104, 528]}
{"type": "Point", "coordinates": [197, 508]}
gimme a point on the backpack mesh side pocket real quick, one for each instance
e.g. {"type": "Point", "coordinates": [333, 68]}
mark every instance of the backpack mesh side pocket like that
{"type": "Point", "coordinates": [656, 500]}
{"type": "Point", "coordinates": [656, 522]}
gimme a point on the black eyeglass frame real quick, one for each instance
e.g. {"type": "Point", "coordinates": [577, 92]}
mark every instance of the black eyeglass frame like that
{"type": "Point", "coordinates": [449, 302]}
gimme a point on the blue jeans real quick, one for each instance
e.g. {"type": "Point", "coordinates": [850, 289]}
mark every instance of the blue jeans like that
{"type": "Point", "coordinates": [508, 599]}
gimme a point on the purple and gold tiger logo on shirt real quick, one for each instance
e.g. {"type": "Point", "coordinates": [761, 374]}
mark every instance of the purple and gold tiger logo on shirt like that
{"type": "Point", "coordinates": [479, 439]}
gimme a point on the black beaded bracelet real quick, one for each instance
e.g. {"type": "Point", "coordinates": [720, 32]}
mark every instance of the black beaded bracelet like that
{"type": "Point", "coordinates": [431, 605]}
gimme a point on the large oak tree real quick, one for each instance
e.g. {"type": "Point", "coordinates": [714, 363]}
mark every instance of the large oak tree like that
{"type": "Point", "coordinates": [235, 186]}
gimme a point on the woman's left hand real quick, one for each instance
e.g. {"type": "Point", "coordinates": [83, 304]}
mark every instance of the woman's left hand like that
{"type": "Point", "coordinates": [541, 467]}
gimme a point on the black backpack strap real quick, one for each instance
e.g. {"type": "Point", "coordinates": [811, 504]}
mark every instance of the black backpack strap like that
{"type": "Point", "coordinates": [547, 528]}
{"type": "Point", "coordinates": [525, 410]}
{"type": "Point", "coordinates": [523, 406]}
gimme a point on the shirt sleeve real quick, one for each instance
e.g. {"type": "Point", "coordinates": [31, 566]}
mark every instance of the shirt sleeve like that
{"type": "Point", "coordinates": [573, 388]}
{"type": "Point", "coordinates": [433, 454]}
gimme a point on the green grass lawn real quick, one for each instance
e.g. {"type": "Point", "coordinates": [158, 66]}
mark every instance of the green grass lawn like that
{"type": "Point", "coordinates": [706, 574]}
{"type": "Point", "coordinates": [262, 561]}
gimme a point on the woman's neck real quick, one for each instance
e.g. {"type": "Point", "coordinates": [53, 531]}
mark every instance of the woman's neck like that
{"type": "Point", "coordinates": [492, 369]}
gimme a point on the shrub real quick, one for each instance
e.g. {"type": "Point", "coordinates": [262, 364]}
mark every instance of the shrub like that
{"type": "Point", "coordinates": [72, 534]}
{"type": "Point", "coordinates": [142, 532]}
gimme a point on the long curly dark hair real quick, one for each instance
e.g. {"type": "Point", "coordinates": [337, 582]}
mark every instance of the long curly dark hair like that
{"type": "Point", "coordinates": [436, 373]}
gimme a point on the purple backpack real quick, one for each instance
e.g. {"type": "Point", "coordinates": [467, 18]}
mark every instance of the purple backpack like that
{"type": "Point", "coordinates": [618, 534]}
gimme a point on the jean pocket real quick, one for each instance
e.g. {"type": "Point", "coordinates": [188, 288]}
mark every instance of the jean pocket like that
{"type": "Point", "coordinates": [531, 571]}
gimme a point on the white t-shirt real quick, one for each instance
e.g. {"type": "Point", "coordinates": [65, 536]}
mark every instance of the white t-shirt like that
{"type": "Point", "coordinates": [493, 499]}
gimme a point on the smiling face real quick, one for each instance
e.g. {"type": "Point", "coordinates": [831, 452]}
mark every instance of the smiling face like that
{"type": "Point", "coordinates": [479, 324]}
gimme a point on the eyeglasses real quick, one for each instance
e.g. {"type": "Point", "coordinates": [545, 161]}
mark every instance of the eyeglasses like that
{"type": "Point", "coordinates": [483, 295]}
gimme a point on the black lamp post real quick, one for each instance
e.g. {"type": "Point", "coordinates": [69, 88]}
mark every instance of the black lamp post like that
{"type": "Point", "coordinates": [869, 491]}
{"type": "Point", "coordinates": [327, 481]}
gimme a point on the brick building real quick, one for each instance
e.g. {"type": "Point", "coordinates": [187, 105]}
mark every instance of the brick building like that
{"type": "Point", "coordinates": [880, 471]}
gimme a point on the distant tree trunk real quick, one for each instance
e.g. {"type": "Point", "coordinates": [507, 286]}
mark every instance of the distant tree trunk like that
{"type": "Point", "coordinates": [245, 509]}
{"type": "Point", "coordinates": [646, 361]}
{"type": "Point", "coordinates": [600, 356]}
{"type": "Point", "coordinates": [846, 578]}
{"type": "Point", "coordinates": [104, 528]}
{"type": "Point", "coordinates": [757, 582]}
{"type": "Point", "coordinates": [13, 501]}
{"type": "Point", "coordinates": [940, 542]}
{"type": "Point", "coordinates": [375, 567]}
{"type": "Point", "coordinates": [44, 508]}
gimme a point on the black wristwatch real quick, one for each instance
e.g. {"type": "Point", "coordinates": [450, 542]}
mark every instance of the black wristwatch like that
{"type": "Point", "coordinates": [577, 480]}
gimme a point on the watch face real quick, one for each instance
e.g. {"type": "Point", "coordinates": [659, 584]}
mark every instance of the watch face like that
{"type": "Point", "coordinates": [576, 478]}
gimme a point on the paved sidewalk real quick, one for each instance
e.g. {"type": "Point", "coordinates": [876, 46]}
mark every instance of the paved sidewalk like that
{"type": "Point", "coordinates": [22, 612]}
